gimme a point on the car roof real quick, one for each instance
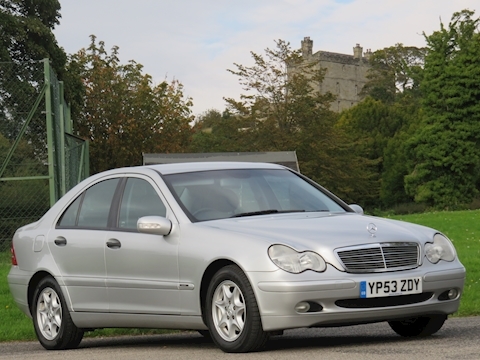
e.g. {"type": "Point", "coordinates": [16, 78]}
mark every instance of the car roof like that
{"type": "Point", "coordinates": [184, 167]}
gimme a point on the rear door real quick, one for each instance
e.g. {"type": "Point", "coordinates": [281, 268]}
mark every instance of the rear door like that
{"type": "Point", "coordinates": [78, 246]}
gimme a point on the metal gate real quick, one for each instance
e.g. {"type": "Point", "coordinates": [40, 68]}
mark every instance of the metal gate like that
{"type": "Point", "coordinates": [40, 157]}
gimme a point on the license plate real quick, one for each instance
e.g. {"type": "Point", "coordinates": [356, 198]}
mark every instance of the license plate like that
{"type": "Point", "coordinates": [371, 289]}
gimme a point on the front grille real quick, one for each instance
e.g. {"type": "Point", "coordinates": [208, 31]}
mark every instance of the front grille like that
{"type": "Point", "coordinates": [379, 257]}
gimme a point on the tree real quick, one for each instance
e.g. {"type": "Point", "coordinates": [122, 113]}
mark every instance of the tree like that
{"type": "Point", "coordinates": [394, 71]}
{"type": "Point", "coordinates": [377, 130]}
{"type": "Point", "coordinates": [26, 33]}
{"type": "Point", "coordinates": [124, 114]}
{"type": "Point", "coordinates": [379, 126]}
{"type": "Point", "coordinates": [281, 111]}
{"type": "Point", "coordinates": [216, 132]}
{"type": "Point", "coordinates": [25, 38]}
{"type": "Point", "coordinates": [445, 151]}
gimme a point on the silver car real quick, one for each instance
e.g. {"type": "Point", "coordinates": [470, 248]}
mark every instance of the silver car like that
{"type": "Point", "coordinates": [237, 251]}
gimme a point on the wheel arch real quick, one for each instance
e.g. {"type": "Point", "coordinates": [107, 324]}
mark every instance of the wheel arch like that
{"type": "Point", "coordinates": [33, 284]}
{"type": "Point", "coordinates": [207, 276]}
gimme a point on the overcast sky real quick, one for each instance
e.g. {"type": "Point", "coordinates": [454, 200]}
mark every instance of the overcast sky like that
{"type": "Point", "coordinates": [196, 41]}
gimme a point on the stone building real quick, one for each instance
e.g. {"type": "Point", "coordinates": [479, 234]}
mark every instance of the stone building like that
{"type": "Point", "coordinates": [345, 74]}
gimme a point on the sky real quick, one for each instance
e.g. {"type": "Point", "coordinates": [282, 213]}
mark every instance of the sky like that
{"type": "Point", "coordinates": [196, 41]}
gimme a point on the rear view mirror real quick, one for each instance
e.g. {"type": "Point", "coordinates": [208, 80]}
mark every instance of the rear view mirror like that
{"type": "Point", "coordinates": [357, 208]}
{"type": "Point", "coordinates": [154, 225]}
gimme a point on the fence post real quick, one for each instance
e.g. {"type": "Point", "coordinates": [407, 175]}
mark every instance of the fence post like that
{"type": "Point", "coordinates": [50, 130]}
{"type": "Point", "coordinates": [61, 118]}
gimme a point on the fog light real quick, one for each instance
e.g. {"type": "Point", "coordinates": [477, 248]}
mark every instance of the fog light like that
{"type": "Point", "coordinates": [302, 307]}
{"type": "Point", "coordinates": [453, 293]}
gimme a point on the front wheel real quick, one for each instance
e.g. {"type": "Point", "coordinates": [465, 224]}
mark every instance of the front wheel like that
{"type": "Point", "coordinates": [53, 325]}
{"type": "Point", "coordinates": [419, 326]}
{"type": "Point", "coordinates": [232, 313]}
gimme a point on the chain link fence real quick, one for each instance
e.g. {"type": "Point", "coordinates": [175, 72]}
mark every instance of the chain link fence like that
{"type": "Point", "coordinates": [39, 157]}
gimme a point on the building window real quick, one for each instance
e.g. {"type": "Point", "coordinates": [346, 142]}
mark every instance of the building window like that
{"type": "Point", "coordinates": [356, 89]}
{"type": "Point", "coordinates": [338, 87]}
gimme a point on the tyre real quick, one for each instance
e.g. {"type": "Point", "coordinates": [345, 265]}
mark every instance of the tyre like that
{"type": "Point", "coordinates": [205, 334]}
{"type": "Point", "coordinates": [419, 326]}
{"type": "Point", "coordinates": [232, 313]}
{"type": "Point", "coordinates": [51, 319]}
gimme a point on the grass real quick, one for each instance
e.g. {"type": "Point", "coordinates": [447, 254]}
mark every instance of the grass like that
{"type": "Point", "coordinates": [462, 227]}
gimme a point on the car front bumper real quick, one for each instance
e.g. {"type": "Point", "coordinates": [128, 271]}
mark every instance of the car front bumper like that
{"type": "Point", "coordinates": [278, 294]}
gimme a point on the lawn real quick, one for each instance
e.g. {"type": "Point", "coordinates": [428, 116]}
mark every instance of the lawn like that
{"type": "Point", "coordinates": [462, 227]}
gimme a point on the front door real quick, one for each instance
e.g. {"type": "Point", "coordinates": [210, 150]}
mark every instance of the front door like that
{"type": "Point", "coordinates": [142, 269]}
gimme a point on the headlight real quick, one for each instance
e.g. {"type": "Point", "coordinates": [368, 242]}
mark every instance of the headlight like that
{"type": "Point", "coordinates": [440, 249]}
{"type": "Point", "coordinates": [295, 262]}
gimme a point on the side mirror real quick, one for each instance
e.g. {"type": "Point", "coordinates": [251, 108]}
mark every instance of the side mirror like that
{"type": "Point", "coordinates": [357, 208]}
{"type": "Point", "coordinates": [154, 225]}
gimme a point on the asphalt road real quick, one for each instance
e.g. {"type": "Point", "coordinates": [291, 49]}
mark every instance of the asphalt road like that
{"type": "Point", "coordinates": [458, 339]}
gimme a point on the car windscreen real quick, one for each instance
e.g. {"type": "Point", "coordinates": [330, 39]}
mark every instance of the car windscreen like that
{"type": "Point", "coordinates": [218, 194]}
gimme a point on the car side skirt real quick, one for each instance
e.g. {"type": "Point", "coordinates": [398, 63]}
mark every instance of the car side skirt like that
{"type": "Point", "coordinates": [110, 320]}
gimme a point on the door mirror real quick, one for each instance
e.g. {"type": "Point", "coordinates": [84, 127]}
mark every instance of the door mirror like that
{"type": "Point", "coordinates": [154, 225]}
{"type": "Point", "coordinates": [357, 208]}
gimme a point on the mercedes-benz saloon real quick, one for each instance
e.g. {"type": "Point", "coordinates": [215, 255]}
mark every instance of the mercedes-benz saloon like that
{"type": "Point", "coordinates": [237, 251]}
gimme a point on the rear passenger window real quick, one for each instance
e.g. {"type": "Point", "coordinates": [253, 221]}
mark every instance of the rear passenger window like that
{"type": "Point", "coordinates": [69, 217]}
{"type": "Point", "coordinates": [91, 209]}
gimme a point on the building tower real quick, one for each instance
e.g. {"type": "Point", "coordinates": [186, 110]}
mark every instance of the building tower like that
{"type": "Point", "coordinates": [345, 74]}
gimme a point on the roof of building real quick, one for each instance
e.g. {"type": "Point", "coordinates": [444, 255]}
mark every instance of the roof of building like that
{"type": "Point", "coordinates": [285, 158]}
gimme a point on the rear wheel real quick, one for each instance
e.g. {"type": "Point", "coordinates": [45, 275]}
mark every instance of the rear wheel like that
{"type": "Point", "coordinates": [51, 319]}
{"type": "Point", "coordinates": [232, 313]}
{"type": "Point", "coordinates": [419, 326]}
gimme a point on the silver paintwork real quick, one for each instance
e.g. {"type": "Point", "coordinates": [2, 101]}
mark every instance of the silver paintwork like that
{"type": "Point", "coordinates": [156, 278]}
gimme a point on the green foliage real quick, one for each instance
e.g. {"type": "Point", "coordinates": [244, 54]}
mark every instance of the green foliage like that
{"type": "Point", "coordinates": [444, 154]}
{"type": "Point", "coordinates": [215, 132]}
{"type": "Point", "coordinates": [379, 125]}
{"type": "Point", "coordinates": [26, 33]}
{"type": "Point", "coordinates": [377, 131]}
{"type": "Point", "coordinates": [123, 114]}
{"type": "Point", "coordinates": [26, 38]}
{"type": "Point", "coordinates": [395, 71]}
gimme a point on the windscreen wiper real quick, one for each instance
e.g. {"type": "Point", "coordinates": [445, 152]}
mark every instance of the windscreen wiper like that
{"type": "Point", "coordinates": [265, 212]}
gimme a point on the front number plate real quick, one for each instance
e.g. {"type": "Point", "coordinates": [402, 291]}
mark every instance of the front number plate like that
{"type": "Point", "coordinates": [371, 289]}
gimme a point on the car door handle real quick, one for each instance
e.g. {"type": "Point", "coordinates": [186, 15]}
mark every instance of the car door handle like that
{"type": "Point", "coordinates": [60, 241]}
{"type": "Point", "coordinates": [114, 244]}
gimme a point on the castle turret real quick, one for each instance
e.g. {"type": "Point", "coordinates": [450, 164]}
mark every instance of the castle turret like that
{"type": "Point", "coordinates": [368, 54]}
{"type": "Point", "coordinates": [357, 52]}
{"type": "Point", "coordinates": [307, 47]}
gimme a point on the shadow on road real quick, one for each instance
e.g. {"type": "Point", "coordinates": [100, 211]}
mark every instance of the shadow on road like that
{"type": "Point", "coordinates": [292, 339]}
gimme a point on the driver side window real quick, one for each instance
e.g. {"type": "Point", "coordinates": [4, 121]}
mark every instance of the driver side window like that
{"type": "Point", "coordinates": [139, 199]}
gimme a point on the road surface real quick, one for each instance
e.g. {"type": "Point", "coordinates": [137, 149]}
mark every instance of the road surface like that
{"type": "Point", "coordinates": [458, 339]}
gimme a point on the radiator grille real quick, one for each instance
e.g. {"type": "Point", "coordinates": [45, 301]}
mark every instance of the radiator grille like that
{"type": "Point", "coordinates": [379, 257]}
